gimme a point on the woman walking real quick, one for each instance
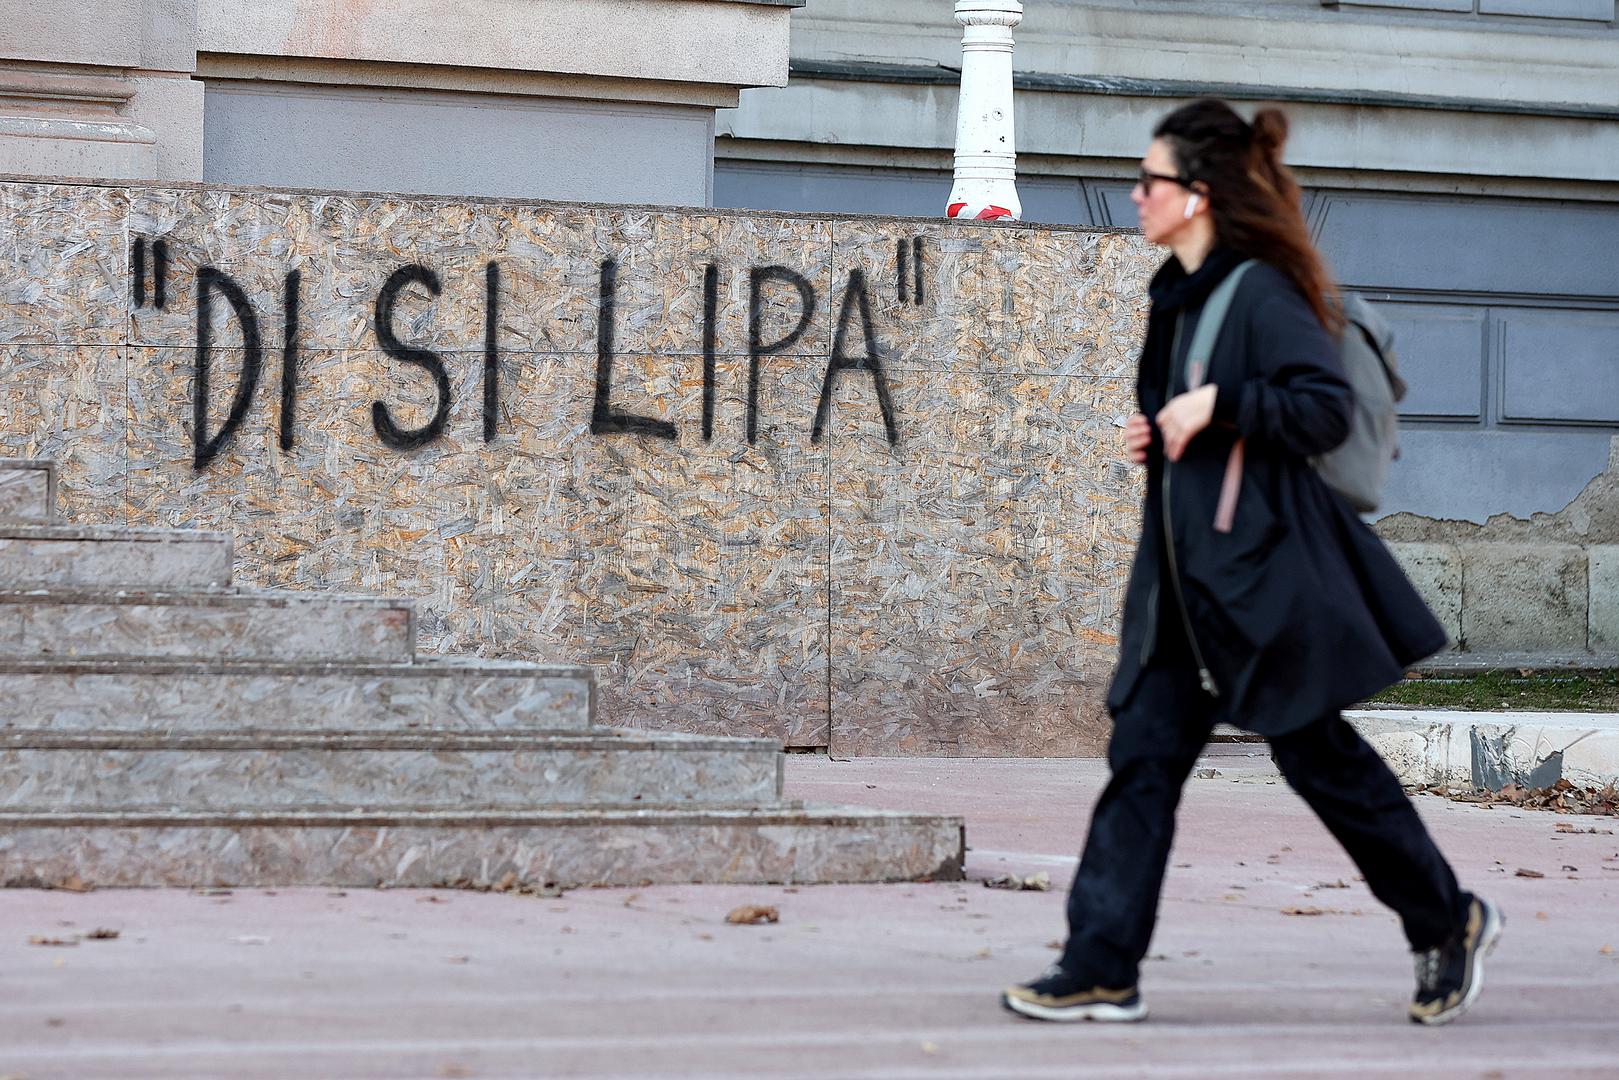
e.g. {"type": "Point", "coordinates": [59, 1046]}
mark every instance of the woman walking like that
{"type": "Point", "coordinates": [1257, 597]}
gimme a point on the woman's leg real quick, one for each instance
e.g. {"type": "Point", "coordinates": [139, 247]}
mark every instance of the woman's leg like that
{"type": "Point", "coordinates": [1361, 802]}
{"type": "Point", "coordinates": [1113, 903]}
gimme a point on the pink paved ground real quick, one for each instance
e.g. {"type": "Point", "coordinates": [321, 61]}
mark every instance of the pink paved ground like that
{"type": "Point", "coordinates": [856, 981]}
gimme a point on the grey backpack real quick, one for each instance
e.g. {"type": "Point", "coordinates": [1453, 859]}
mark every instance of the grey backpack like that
{"type": "Point", "coordinates": [1357, 468]}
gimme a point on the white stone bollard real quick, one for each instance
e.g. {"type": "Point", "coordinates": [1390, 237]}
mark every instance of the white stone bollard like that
{"type": "Point", "coordinates": [986, 147]}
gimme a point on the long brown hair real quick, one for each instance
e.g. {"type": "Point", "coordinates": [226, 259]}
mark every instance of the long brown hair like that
{"type": "Point", "coordinates": [1255, 202]}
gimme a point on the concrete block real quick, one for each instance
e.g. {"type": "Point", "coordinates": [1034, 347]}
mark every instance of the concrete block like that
{"type": "Point", "coordinates": [1436, 571]}
{"type": "Point", "coordinates": [1471, 751]}
{"type": "Point", "coordinates": [1524, 598]}
{"type": "Point", "coordinates": [27, 490]}
{"type": "Point", "coordinates": [261, 772]}
{"type": "Point", "coordinates": [53, 556]}
{"type": "Point", "coordinates": [192, 696]}
{"type": "Point", "coordinates": [1602, 575]}
{"type": "Point", "coordinates": [221, 626]}
{"type": "Point", "coordinates": [807, 845]}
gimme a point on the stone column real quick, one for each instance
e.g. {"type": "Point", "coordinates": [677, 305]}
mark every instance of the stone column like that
{"type": "Point", "coordinates": [986, 148]}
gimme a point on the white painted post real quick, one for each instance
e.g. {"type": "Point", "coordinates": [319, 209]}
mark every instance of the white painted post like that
{"type": "Point", "coordinates": [986, 148]}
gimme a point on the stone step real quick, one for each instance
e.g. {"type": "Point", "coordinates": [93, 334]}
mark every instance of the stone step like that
{"type": "Point", "coordinates": [191, 696]}
{"type": "Point", "coordinates": [1485, 751]}
{"type": "Point", "coordinates": [788, 843]}
{"type": "Point", "coordinates": [278, 626]}
{"type": "Point", "coordinates": [27, 489]}
{"type": "Point", "coordinates": [106, 556]}
{"type": "Point", "coordinates": [265, 771]}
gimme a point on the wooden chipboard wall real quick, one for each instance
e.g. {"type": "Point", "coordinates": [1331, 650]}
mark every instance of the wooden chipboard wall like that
{"type": "Point", "coordinates": [942, 580]}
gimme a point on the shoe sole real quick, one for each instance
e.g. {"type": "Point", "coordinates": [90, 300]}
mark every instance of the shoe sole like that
{"type": "Point", "coordinates": [1101, 1012]}
{"type": "Point", "coordinates": [1493, 921]}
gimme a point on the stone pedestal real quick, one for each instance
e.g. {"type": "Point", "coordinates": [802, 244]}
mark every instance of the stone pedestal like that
{"type": "Point", "coordinates": [101, 90]}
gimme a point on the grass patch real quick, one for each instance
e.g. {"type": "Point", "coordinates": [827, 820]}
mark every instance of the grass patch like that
{"type": "Point", "coordinates": [1514, 690]}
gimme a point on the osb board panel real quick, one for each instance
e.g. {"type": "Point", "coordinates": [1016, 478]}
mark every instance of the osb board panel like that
{"type": "Point", "coordinates": [64, 270]}
{"type": "Point", "coordinates": [997, 300]}
{"type": "Point", "coordinates": [712, 579]}
{"type": "Point", "coordinates": [69, 404]}
{"type": "Point", "coordinates": [977, 579]}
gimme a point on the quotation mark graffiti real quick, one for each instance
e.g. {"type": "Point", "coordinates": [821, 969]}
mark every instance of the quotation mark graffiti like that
{"type": "Point", "coordinates": [908, 270]}
{"type": "Point", "coordinates": [159, 276]}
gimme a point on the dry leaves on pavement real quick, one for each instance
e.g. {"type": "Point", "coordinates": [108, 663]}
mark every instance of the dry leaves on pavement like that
{"type": "Point", "coordinates": [1562, 797]}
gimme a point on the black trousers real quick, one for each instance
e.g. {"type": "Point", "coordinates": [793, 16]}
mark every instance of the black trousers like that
{"type": "Point", "coordinates": [1157, 737]}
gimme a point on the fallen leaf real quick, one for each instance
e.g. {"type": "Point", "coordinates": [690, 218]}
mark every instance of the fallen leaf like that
{"type": "Point", "coordinates": [930, 1048]}
{"type": "Point", "coordinates": [752, 915]}
{"type": "Point", "coordinates": [1542, 916]}
{"type": "Point", "coordinates": [705, 937]}
{"type": "Point", "coordinates": [1570, 869]}
{"type": "Point", "coordinates": [101, 934]}
{"type": "Point", "coordinates": [1205, 774]}
{"type": "Point", "coordinates": [1528, 873]}
{"type": "Point", "coordinates": [1339, 884]}
{"type": "Point", "coordinates": [1040, 882]}
{"type": "Point", "coordinates": [984, 953]}
{"type": "Point", "coordinates": [1310, 911]}
{"type": "Point", "coordinates": [1054, 944]}
{"type": "Point", "coordinates": [75, 883]}
{"type": "Point", "coordinates": [458, 959]}
{"type": "Point", "coordinates": [455, 1072]}
{"type": "Point", "coordinates": [506, 883]}
{"type": "Point", "coordinates": [40, 939]}
{"type": "Point", "coordinates": [1606, 950]}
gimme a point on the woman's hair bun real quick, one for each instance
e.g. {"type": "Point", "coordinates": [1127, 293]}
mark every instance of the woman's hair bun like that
{"type": "Point", "coordinates": [1270, 131]}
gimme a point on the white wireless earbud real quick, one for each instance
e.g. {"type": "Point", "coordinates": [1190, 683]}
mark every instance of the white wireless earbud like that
{"type": "Point", "coordinates": [1191, 205]}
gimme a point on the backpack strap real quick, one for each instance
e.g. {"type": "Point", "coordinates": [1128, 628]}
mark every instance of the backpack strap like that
{"type": "Point", "coordinates": [1209, 324]}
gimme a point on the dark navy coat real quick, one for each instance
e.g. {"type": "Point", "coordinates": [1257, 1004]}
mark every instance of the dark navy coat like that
{"type": "Point", "coordinates": [1299, 610]}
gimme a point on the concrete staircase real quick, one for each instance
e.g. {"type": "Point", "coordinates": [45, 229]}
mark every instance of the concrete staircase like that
{"type": "Point", "coordinates": [160, 727]}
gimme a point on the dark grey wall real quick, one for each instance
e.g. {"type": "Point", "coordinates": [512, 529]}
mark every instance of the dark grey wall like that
{"type": "Point", "coordinates": [442, 143]}
{"type": "Point", "coordinates": [1506, 315]}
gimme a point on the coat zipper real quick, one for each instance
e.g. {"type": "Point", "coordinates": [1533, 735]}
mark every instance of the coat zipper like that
{"type": "Point", "coordinates": [1205, 678]}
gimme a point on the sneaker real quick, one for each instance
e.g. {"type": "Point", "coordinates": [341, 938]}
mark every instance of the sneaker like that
{"type": "Point", "coordinates": [1057, 995]}
{"type": "Point", "coordinates": [1449, 977]}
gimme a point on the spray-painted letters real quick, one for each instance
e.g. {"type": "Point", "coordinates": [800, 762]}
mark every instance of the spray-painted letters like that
{"type": "Point", "coordinates": [855, 323]}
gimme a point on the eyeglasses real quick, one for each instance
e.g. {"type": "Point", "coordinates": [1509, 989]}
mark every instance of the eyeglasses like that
{"type": "Point", "coordinates": [1146, 179]}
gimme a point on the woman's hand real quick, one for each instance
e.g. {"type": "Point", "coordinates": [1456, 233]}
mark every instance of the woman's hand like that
{"type": "Point", "coordinates": [1137, 438]}
{"type": "Point", "coordinates": [1183, 417]}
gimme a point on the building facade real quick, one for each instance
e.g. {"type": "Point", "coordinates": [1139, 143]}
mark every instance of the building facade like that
{"type": "Point", "coordinates": [586, 100]}
{"type": "Point", "coordinates": [1461, 159]}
